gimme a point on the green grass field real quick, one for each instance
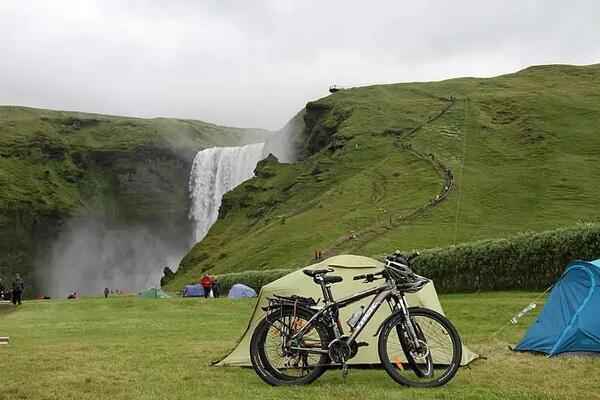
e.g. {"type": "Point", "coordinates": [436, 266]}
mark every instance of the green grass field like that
{"type": "Point", "coordinates": [130, 348]}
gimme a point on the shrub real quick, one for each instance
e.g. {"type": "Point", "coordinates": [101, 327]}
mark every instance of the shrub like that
{"type": "Point", "coordinates": [530, 261]}
{"type": "Point", "coordinates": [255, 279]}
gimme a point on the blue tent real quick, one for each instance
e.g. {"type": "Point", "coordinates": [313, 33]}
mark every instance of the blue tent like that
{"type": "Point", "coordinates": [239, 290]}
{"type": "Point", "coordinates": [569, 321]}
{"type": "Point", "coordinates": [193, 291]}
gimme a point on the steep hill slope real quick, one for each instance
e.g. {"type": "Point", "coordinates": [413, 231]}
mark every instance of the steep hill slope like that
{"type": "Point", "coordinates": [63, 168]}
{"type": "Point", "coordinates": [419, 165]}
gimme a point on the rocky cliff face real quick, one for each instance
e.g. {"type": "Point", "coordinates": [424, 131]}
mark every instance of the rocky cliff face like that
{"type": "Point", "coordinates": [65, 175]}
{"type": "Point", "coordinates": [322, 122]}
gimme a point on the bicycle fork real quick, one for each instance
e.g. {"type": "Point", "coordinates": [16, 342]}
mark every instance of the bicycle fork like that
{"type": "Point", "coordinates": [408, 322]}
{"type": "Point", "coordinates": [418, 344]}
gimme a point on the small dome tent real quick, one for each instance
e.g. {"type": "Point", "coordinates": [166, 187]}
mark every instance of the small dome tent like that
{"type": "Point", "coordinates": [193, 291]}
{"type": "Point", "coordinates": [346, 266]}
{"type": "Point", "coordinates": [239, 291]}
{"type": "Point", "coordinates": [569, 322]}
{"type": "Point", "coordinates": [153, 293]}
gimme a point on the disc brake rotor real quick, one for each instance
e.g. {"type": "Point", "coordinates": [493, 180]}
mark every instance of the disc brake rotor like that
{"type": "Point", "coordinates": [420, 354]}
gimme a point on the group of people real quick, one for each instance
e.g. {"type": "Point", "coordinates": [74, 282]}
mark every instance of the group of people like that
{"type": "Point", "coordinates": [210, 285]}
{"type": "Point", "coordinates": [15, 292]}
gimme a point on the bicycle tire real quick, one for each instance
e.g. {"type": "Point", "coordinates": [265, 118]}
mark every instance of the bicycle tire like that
{"type": "Point", "coordinates": [393, 369]}
{"type": "Point", "coordinates": [271, 374]}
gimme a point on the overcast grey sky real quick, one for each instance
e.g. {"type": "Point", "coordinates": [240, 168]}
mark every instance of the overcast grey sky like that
{"type": "Point", "coordinates": [255, 63]}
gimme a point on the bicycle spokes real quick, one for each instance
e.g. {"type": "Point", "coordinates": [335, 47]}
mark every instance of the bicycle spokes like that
{"type": "Point", "coordinates": [422, 355]}
{"type": "Point", "coordinates": [282, 350]}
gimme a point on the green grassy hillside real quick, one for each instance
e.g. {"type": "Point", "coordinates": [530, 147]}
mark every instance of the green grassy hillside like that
{"type": "Point", "coordinates": [128, 171]}
{"type": "Point", "coordinates": [42, 151]}
{"type": "Point", "coordinates": [419, 165]}
{"type": "Point", "coordinates": [130, 348]}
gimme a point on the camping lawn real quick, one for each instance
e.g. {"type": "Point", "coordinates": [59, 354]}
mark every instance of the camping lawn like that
{"type": "Point", "coordinates": [131, 348]}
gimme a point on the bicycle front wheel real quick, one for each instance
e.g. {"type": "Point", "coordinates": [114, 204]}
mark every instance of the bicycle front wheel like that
{"type": "Point", "coordinates": [429, 360]}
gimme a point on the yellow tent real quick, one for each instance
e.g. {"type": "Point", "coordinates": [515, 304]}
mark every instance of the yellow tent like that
{"type": "Point", "coordinates": [346, 266]}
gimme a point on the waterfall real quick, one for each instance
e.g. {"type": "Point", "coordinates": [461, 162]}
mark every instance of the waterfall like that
{"type": "Point", "coordinates": [215, 171]}
{"type": "Point", "coordinates": [91, 254]}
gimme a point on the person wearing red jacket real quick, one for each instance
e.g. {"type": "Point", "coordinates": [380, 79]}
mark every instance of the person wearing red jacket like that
{"type": "Point", "coordinates": [207, 283]}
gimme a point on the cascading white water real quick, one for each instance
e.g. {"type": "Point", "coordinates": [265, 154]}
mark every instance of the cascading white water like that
{"type": "Point", "coordinates": [216, 171]}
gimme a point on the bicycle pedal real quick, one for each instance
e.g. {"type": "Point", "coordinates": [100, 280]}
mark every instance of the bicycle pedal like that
{"type": "Point", "coordinates": [362, 344]}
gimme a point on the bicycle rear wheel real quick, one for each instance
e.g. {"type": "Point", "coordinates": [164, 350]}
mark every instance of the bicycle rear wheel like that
{"type": "Point", "coordinates": [273, 359]}
{"type": "Point", "coordinates": [433, 362]}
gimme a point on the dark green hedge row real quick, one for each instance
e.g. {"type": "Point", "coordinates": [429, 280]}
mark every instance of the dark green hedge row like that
{"type": "Point", "coordinates": [255, 279]}
{"type": "Point", "coordinates": [530, 261]}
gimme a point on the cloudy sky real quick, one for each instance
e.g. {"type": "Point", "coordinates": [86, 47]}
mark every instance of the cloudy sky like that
{"type": "Point", "coordinates": [255, 63]}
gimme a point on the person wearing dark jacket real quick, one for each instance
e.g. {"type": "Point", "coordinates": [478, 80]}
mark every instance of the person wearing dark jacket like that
{"type": "Point", "coordinates": [216, 288]}
{"type": "Point", "coordinates": [17, 290]}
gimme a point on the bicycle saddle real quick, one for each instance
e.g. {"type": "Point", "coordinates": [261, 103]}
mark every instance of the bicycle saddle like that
{"type": "Point", "coordinates": [321, 274]}
{"type": "Point", "coordinates": [314, 272]}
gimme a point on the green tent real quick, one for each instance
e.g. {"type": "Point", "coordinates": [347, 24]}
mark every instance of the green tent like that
{"type": "Point", "coordinates": [346, 266]}
{"type": "Point", "coordinates": [153, 293]}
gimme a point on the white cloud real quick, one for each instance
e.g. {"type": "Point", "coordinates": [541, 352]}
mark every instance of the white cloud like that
{"type": "Point", "coordinates": [256, 63]}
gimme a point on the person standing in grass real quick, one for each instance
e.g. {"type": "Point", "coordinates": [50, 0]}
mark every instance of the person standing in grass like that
{"type": "Point", "coordinates": [17, 290]}
{"type": "Point", "coordinates": [215, 287]}
{"type": "Point", "coordinates": [106, 292]}
{"type": "Point", "coordinates": [207, 284]}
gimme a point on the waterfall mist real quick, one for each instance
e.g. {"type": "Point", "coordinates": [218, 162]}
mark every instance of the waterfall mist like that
{"type": "Point", "coordinates": [89, 256]}
{"type": "Point", "coordinates": [216, 171]}
{"type": "Point", "coordinates": [287, 144]}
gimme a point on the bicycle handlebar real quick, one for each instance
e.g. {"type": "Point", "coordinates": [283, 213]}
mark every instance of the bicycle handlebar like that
{"type": "Point", "coordinates": [369, 277]}
{"type": "Point", "coordinates": [403, 258]}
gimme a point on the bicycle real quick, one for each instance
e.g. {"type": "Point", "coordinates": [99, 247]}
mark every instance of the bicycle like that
{"type": "Point", "coordinates": [298, 340]}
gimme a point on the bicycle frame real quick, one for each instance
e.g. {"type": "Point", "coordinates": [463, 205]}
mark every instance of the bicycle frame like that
{"type": "Point", "coordinates": [381, 294]}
